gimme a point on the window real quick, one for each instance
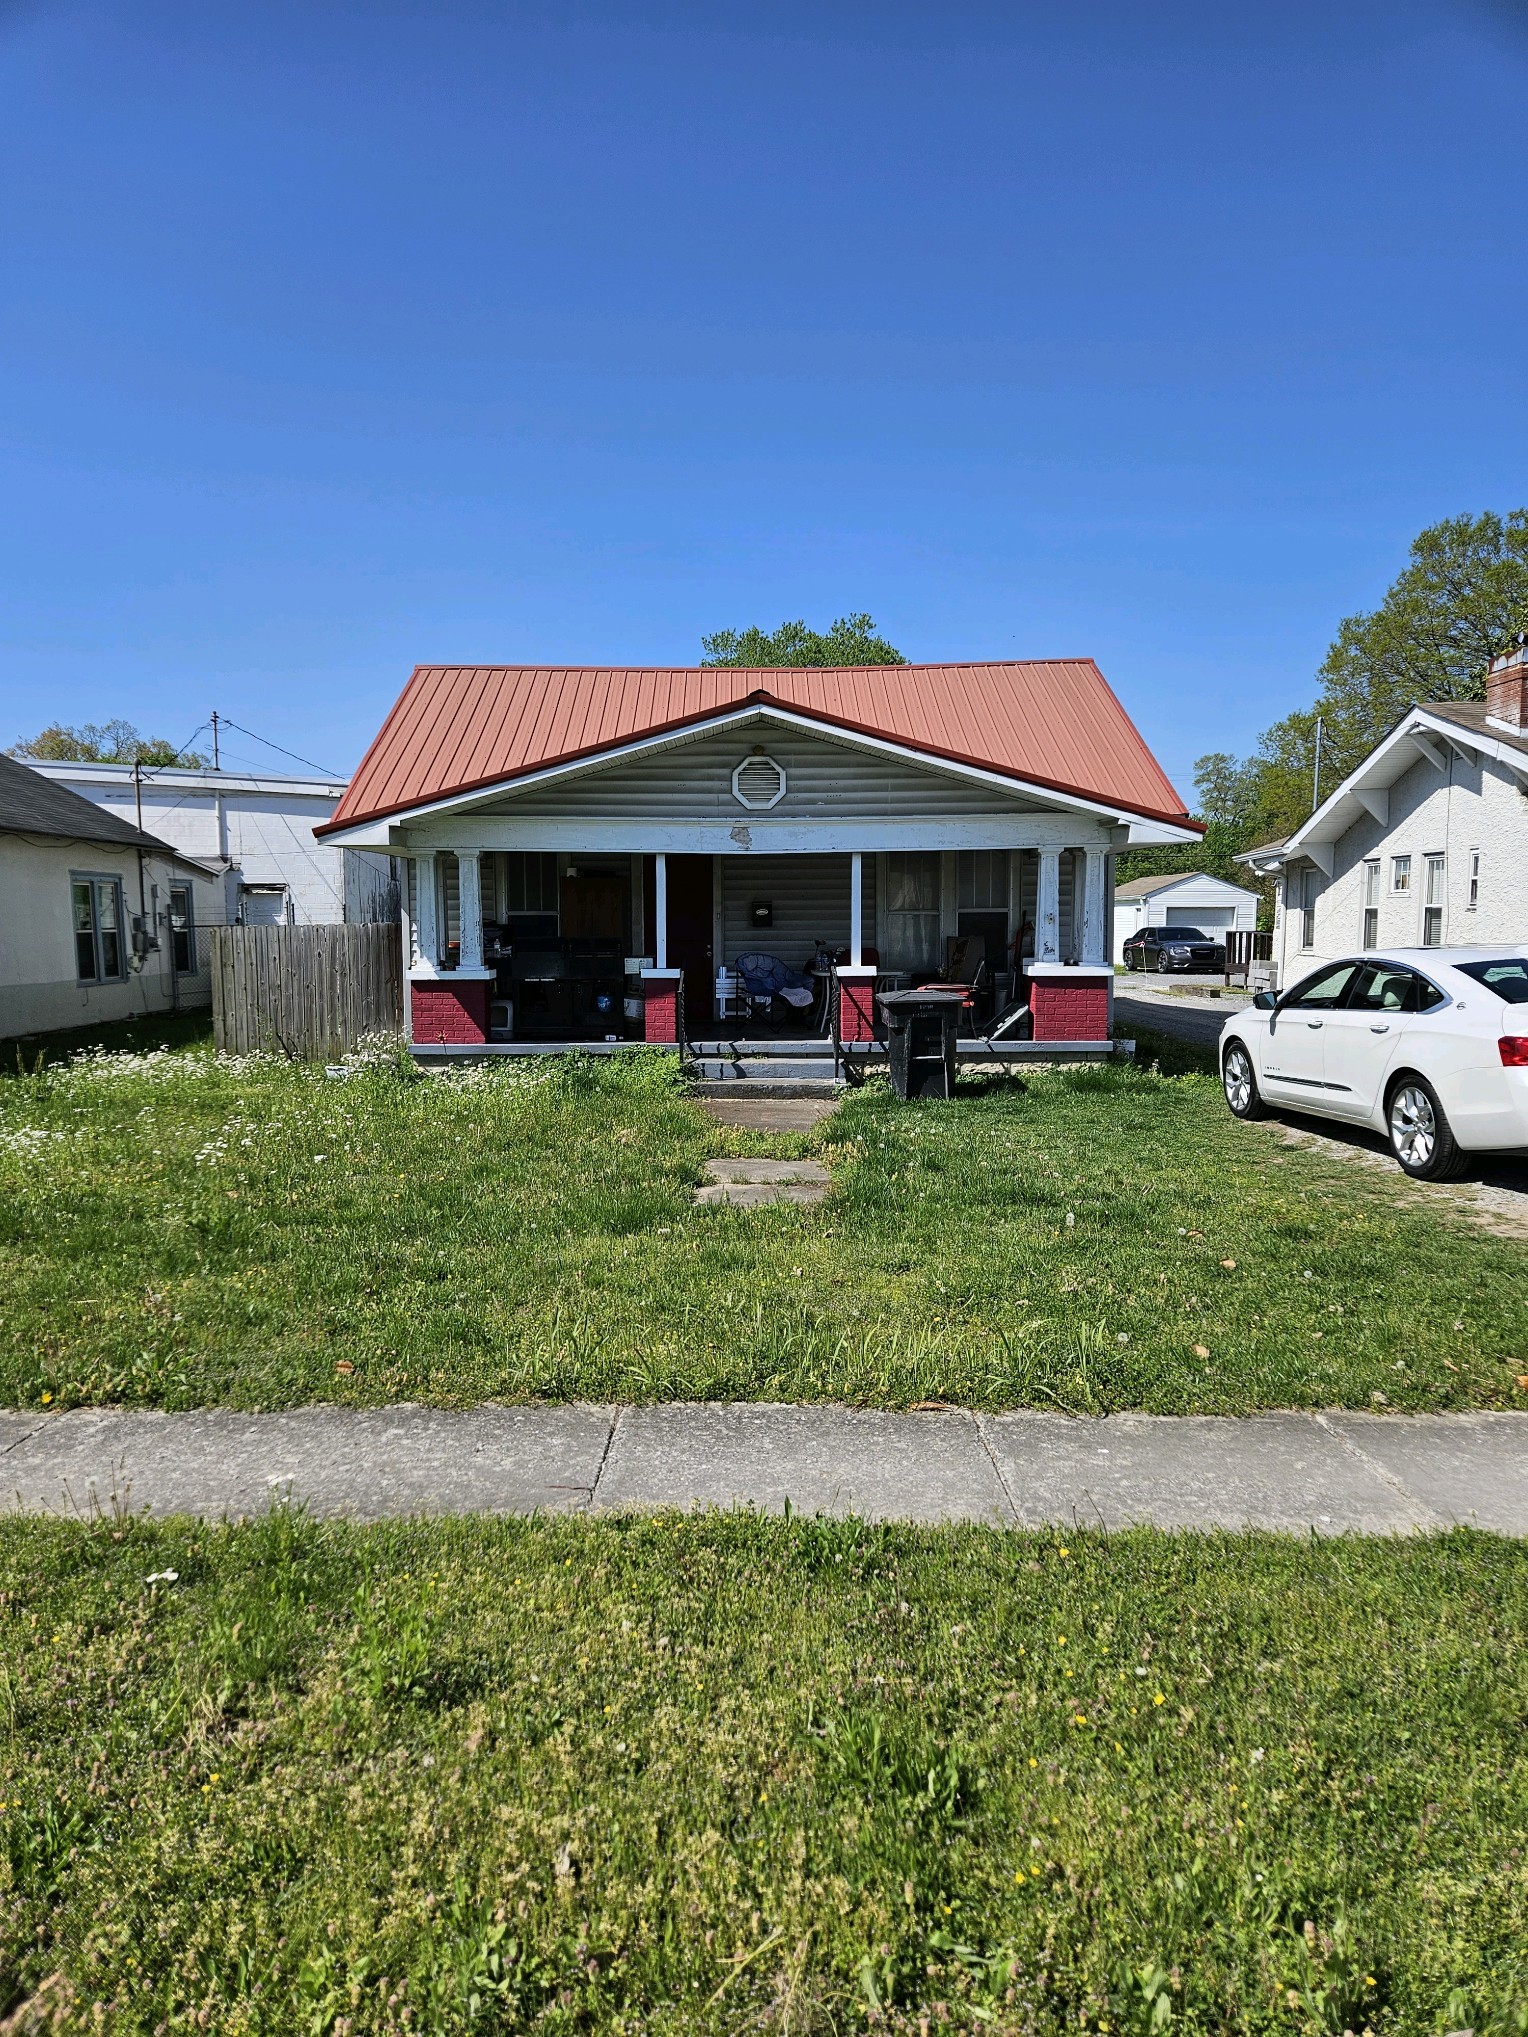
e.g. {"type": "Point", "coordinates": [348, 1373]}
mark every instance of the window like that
{"type": "Point", "coordinates": [1383, 987]}
{"type": "Point", "coordinates": [1400, 873]}
{"type": "Point", "coordinates": [981, 880]}
{"type": "Point", "coordinates": [1309, 884]}
{"type": "Point", "coordinates": [98, 951]}
{"type": "Point", "coordinates": [1325, 990]}
{"type": "Point", "coordinates": [182, 930]}
{"type": "Point", "coordinates": [912, 909]}
{"type": "Point", "coordinates": [1371, 905]}
{"type": "Point", "coordinates": [1508, 979]}
{"type": "Point", "coordinates": [1432, 902]}
{"type": "Point", "coordinates": [1474, 897]}
{"type": "Point", "coordinates": [530, 884]}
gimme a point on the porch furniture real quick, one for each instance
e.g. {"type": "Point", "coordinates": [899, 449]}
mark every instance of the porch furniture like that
{"type": "Point", "coordinates": [922, 1027]}
{"type": "Point", "coordinates": [766, 980]}
{"type": "Point", "coordinates": [727, 993]}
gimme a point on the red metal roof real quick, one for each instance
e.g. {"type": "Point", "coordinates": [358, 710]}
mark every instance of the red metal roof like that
{"type": "Point", "coordinates": [459, 728]}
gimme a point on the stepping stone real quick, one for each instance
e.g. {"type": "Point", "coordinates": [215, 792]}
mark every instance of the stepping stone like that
{"type": "Point", "coordinates": [769, 1114]}
{"type": "Point", "coordinates": [766, 1170]}
{"type": "Point", "coordinates": [755, 1194]}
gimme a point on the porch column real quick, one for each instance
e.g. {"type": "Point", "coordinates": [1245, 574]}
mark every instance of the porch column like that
{"type": "Point", "coordinates": [470, 906]}
{"type": "Point", "coordinates": [856, 908]}
{"type": "Point", "coordinates": [660, 910]}
{"type": "Point", "coordinates": [1092, 945]}
{"type": "Point", "coordinates": [1048, 908]}
{"type": "Point", "coordinates": [426, 933]}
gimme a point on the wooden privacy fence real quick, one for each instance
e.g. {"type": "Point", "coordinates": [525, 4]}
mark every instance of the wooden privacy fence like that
{"type": "Point", "coordinates": [308, 992]}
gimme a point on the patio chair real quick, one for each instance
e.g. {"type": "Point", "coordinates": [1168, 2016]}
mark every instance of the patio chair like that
{"type": "Point", "coordinates": [966, 964]}
{"type": "Point", "coordinates": [766, 982]}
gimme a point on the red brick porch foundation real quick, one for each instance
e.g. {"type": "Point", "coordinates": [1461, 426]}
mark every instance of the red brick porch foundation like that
{"type": "Point", "coordinates": [856, 1004]}
{"type": "Point", "coordinates": [660, 989]}
{"type": "Point", "coordinates": [1070, 1004]}
{"type": "Point", "coordinates": [447, 1013]}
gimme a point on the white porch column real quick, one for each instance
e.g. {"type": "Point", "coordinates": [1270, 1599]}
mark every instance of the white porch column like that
{"type": "Point", "coordinates": [1048, 908]}
{"type": "Point", "coordinates": [660, 910]}
{"type": "Point", "coordinates": [856, 908]}
{"type": "Point", "coordinates": [426, 930]}
{"type": "Point", "coordinates": [1092, 944]}
{"type": "Point", "coordinates": [470, 907]}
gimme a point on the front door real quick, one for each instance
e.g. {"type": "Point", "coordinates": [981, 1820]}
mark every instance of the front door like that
{"type": "Point", "coordinates": [1294, 1053]}
{"type": "Point", "coordinates": [690, 936]}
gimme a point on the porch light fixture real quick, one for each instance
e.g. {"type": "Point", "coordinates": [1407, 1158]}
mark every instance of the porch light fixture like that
{"type": "Point", "coordinates": [758, 782]}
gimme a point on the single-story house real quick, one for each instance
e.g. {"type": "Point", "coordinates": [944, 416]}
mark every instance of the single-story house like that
{"type": "Point", "coordinates": [1423, 845]}
{"type": "Point", "coordinates": [556, 821]}
{"type": "Point", "coordinates": [254, 827]}
{"type": "Point", "coordinates": [97, 916]}
{"type": "Point", "coordinates": [1192, 898]}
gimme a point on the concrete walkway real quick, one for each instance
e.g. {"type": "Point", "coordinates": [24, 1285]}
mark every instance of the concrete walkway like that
{"type": "Point", "coordinates": [1331, 1473]}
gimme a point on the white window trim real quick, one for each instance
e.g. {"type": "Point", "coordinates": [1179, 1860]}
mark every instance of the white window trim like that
{"type": "Point", "coordinates": [1397, 888]}
{"type": "Point", "coordinates": [1472, 901]}
{"type": "Point", "coordinates": [96, 879]}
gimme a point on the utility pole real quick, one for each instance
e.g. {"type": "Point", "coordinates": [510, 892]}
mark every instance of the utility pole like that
{"type": "Point", "coordinates": [216, 763]}
{"type": "Point", "coordinates": [1315, 791]}
{"type": "Point", "coordinates": [138, 790]}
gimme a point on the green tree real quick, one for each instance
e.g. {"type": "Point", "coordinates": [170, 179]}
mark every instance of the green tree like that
{"type": "Point", "coordinates": [851, 641]}
{"type": "Point", "coordinates": [102, 742]}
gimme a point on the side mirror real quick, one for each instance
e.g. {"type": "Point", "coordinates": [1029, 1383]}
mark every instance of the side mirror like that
{"type": "Point", "coordinates": [1265, 1001]}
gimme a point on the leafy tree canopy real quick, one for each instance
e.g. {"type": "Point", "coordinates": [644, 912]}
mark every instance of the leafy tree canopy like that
{"type": "Point", "coordinates": [851, 641]}
{"type": "Point", "coordinates": [103, 742]}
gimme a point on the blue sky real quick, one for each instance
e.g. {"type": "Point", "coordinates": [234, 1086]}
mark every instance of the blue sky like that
{"type": "Point", "coordinates": [334, 339]}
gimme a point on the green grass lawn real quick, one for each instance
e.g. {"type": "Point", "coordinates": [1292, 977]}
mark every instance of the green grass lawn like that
{"type": "Point", "coordinates": [726, 1774]}
{"type": "Point", "coordinates": [177, 1230]}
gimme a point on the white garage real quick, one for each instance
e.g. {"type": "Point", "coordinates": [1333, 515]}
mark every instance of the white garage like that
{"type": "Point", "coordinates": [1191, 899]}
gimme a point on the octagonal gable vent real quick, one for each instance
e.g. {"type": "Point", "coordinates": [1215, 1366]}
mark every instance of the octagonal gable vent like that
{"type": "Point", "coordinates": [758, 782]}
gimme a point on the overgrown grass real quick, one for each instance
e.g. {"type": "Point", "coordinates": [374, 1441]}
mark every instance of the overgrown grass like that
{"type": "Point", "coordinates": [180, 1230]}
{"type": "Point", "coordinates": [735, 1774]}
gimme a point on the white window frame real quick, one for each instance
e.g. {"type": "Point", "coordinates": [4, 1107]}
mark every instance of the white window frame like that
{"type": "Point", "coordinates": [1308, 889]}
{"type": "Point", "coordinates": [189, 929]}
{"type": "Point", "coordinates": [1370, 921]}
{"type": "Point", "coordinates": [98, 881]}
{"type": "Point", "coordinates": [1434, 897]}
{"type": "Point", "coordinates": [1400, 876]}
{"type": "Point", "coordinates": [1473, 901]}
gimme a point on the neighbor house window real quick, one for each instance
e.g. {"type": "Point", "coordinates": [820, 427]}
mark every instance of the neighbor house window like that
{"type": "Point", "coordinates": [1371, 905]}
{"type": "Point", "coordinates": [99, 956]}
{"type": "Point", "coordinates": [912, 909]}
{"type": "Point", "coordinates": [1309, 880]}
{"type": "Point", "coordinates": [182, 930]}
{"type": "Point", "coordinates": [1400, 873]}
{"type": "Point", "coordinates": [1432, 902]}
{"type": "Point", "coordinates": [1474, 898]}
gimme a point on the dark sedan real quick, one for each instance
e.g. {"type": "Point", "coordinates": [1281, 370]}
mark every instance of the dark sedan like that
{"type": "Point", "coordinates": [1164, 948]}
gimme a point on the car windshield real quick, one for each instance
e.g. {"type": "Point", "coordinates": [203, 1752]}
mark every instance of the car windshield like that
{"type": "Point", "coordinates": [1508, 978]}
{"type": "Point", "coordinates": [1183, 934]}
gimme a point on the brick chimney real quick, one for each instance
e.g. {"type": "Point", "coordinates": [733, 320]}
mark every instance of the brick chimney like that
{"type": "Point", "coordinates": [1507, 686]}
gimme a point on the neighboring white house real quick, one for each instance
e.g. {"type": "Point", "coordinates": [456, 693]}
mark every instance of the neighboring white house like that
{"type": "Point", "coordinates": [256, 830]}
{"type": "Point", "coordinates": [1424, 845]}
{"type": "Point", "coordinates": [98, 919]}
{"type": "Point", "coordinates": [1192, 898]}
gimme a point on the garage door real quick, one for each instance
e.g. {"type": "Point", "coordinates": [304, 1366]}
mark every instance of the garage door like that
{"type": "Point", "coordinates": [1213, 918]}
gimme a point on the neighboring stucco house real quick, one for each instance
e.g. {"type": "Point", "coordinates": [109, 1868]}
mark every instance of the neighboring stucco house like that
{"type": "Point", "coordinates": [97, 916]}
{"type": "Point", "coordinates": [555, 821]}
{"type": "Point", "coordinates": [1191, 899]}
{"type": "Point", "coordinates": [255, 828]}
{"type": "Point", "coordinates": [1424, 845]}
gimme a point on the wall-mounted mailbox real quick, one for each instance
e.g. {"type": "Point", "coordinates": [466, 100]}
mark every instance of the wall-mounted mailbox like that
{"type": "Point", "coordinates": [761, 913]}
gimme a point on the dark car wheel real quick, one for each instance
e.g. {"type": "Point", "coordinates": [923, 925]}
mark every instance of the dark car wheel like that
{"type": "Point", "coordinates": [1421, 1137]}
{"type": "Point", "coordinates": [1240, 1084]}
{"type": "Point", "coordinates": [1161, 961]}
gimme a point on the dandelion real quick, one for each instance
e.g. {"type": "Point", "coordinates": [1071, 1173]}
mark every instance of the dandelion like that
{"type": "Point", "coordinates": [1159, 1699]}
{"type": "Point", "coordinates": [1063, 1552]}
{"type": "Point", "coordinates": [46, 1398]}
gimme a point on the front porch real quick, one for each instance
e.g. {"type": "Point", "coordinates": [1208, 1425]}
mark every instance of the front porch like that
{"type": "Point", "coordinates": [534, 951]}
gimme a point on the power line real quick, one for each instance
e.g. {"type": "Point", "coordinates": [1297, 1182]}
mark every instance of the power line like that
{"type": "Point", "coordinates": [228, 722]}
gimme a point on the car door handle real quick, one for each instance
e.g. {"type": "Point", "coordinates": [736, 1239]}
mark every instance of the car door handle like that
{"type": "Point", "coordinates": [1315, 1024]}
{"type": "Point", "coordinates": [1379, 1029]}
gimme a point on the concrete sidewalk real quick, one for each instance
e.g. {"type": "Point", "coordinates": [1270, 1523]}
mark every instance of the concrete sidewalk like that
{"type": "Point", "coordinates": [1331, 1472]}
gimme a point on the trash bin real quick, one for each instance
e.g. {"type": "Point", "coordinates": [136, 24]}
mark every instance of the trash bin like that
{"type": "Point", "coordinates": [921, 1030]}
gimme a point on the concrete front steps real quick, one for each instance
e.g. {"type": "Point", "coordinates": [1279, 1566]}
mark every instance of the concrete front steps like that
{"type": "Point", "coordinates": [767, 1067]}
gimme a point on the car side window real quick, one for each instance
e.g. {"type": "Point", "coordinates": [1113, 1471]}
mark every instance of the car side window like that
{"type": "Point", "coordinates": [1428, 995]}
{"type": "Point", "coordinates": [1381, 986]}
{"type": "Point", "coordinates": [1325, 990]}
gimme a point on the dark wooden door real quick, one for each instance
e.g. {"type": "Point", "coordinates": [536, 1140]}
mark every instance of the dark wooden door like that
{"type": "Point", "coordinates": [595, 903]}
{"type": "Point", "coordinates": [690, 936]}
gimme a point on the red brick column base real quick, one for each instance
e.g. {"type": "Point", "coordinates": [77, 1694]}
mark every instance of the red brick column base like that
{"type": "Point", "coordinates": [661, 1009]}
{"type": "Point", "coordinates": [856, 1005]}
{"type": "Point", "coordinates": [1070, 1007]}
{"type": "Point", "coordinates": [449, 1014]}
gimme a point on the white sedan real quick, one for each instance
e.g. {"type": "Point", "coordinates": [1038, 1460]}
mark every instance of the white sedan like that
{"type": "Point", "coordinates": [1427, 1045]}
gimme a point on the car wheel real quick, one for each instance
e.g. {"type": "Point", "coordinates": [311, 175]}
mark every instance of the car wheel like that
{"type": "Point", "coordinates": [1420, 1135]}
{"type": "Point", "coordinates": [1161, 961]}
{"type": "Point", "coordinates": [1240, 1084]}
